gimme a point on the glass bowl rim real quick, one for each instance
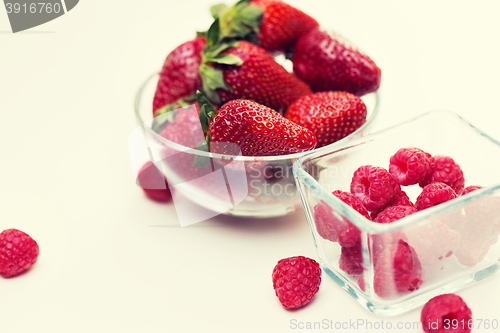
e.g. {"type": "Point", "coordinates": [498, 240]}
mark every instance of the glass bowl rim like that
{"type": "Point", "coordinates": [168, 143]}
{"type": "Point", "coordinates": [379, 228]}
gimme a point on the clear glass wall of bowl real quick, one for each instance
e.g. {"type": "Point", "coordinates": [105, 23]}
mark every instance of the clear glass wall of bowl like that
{"type": "Point", "coordinates": [259, 187]}
{"type": "Point", "coordinates": [392, 268]}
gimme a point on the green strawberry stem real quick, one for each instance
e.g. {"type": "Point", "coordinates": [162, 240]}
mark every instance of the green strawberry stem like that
{"type": "Point", "coordinates": [207, 113]}
{"type": "Point", "coordinates": [211, 77]}
{"type": "Point", "coordinates": [159, 123]}
{"type": "Point", "coordinates": [241, 21]}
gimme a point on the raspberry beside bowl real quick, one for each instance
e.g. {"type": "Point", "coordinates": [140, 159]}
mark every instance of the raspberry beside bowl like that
{"type": "Point", "coordinates": [268, 188]}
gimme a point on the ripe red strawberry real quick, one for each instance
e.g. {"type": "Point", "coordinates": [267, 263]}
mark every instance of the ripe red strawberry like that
{"type": "Point", "coordinates": [180, 76]}
{"type": "Point", "coordinates": [330, 115]}
{"type": "Point", "coordinates": [242, 70]}
{"type": "Point", "coordinates": [257, 130]}
{"type": "Point", "coordinates": [326, 61]}
{"type": "Point", "coordinates": [274, 25]}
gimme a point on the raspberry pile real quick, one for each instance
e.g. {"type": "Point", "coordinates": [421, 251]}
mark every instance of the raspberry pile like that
{"type": "Point", "coordinates": [18, 252]}
{"type": "Point", "coordinates": [296, 280]}
{"type": "Point", "coordinates": [446, 313]}
{"type": "Point", "coordinates": [376, 194]}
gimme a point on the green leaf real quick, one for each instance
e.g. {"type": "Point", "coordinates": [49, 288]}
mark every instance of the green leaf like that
{"type": "Point", "coordinates": [158, 124]}
{"type": "Point", "coordinates": [218, 48]}
{"type": "Point", "coordinates": [212, 79]}
{"type": "Point", "coordinates": [212, 95]}
{"type": "Point", "coordinates": [251, 16]}
{"type": "Point", "coordinates": [216, 10]}
{"type": "Point", "coordinates": [227, 59]}
{"type": "Point", "coordinates": [202, 161]}
{"type": "Point", "coordinates": [240, 20]}
{"type": "Point", "coordinates": [213, 33]}
{"type": "Point", "coordinates": [207, 110]}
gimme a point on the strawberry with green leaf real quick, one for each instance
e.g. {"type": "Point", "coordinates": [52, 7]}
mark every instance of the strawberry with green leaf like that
{"type": "Point", "coordinates": [254, 128]}
{"type": "Point", "coordinates": [273, 24]}
{"type": "Point", "coordinates": [232, 69]}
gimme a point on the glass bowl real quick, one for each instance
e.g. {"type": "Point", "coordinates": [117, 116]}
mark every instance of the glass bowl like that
{"type": "Point", "coordinates": [259, 187]}
{"type": "Point", "coordinates": [434, 251]}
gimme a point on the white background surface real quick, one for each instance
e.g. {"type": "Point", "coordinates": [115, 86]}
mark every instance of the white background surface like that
{"type": "Point", "coordinates": [112, 261]}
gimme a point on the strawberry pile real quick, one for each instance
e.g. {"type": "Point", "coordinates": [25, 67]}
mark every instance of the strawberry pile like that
{"type": "Point", "coordinates": [399, 256]}
{"type": "Point", "coordinates": [247, 99]}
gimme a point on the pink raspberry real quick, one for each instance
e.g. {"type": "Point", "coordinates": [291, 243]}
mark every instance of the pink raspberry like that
{"type": "Point", "coordinates": [153, 183]}
{"type": "Point", "coordinates": [433, 195]}
{"type": "Point", "coordinates": [469, 189]}
{"type": "Point", "coordinates": [18, 252]}
{"type": "Point", "coordinates": [446, 313]}
{"type": "Point", "coordinates": [411, 165]}
{"type": "Point", "coordinates": [374, 187]}
{"type": "Point", "coordinates": [397, 271]}
{"type": "Point", "coordinates": [351, 259]}
{"type": "Point", "coordinates": [433, 241]}
{"type": "Point", "coordinates": [296, 280]}
{"type": "Point", "coordinates": [338, 229]}
{"type": "Point", "coordinates": [448, 172]}
{"type": "Point", "coordinates": [394, 213]}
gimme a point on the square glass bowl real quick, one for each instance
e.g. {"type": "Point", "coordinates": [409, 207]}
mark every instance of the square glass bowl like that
{"type": "Point", "coordinates": [401, 265]}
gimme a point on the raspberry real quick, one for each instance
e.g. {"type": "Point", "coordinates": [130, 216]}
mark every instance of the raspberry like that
{"type": "Point", "coordinates": [469, 189]}
{"type": "Point", "coordinates": [374, 187]}
{"type": "Point", "coordinates": [397, 270]}
{"type": "Point", "coordinates": [433, 195]}
{"type": "Point", "coordinates": [154, 183]}
{"type": "Point", "coordinates": [403, 200]}
{"type": "Point", "coordinates": [446, 313]}
{"type": "Point", "coordinates": [18, 252]}
{"type": "Point", "coordinates": [411, 165]}
{"type": "Point", "coordinates": [351, 259]}
{"type": "Point", "coordinates": [338, 229]}
{"type": "Point", "coordinates": [394, 213]}
{"type": "Point", "coordinates": [296, 280]}
{"type": "Point", "coordinates": [479, 228]}
{"type": "Point", "coordinates": [433, 241]}
{"type": "Point", "coordinates": [473, 248]}
{"type": "Point", "coordinates": [448, 172]}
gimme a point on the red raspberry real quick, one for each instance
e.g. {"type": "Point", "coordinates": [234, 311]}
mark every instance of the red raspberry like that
{"type": "Point", "coordinates": [448, 172]}
{"type": "Point", "coordinates": [397, 271]}
{"type": "Point", "coordinates": [394, 213]}
{"type": "Point", "coordinates": [433, 195]}
{"type": "Point", "coordinates": [469, 189]}
{"type": "Point", "coordinates": [411, 165]}
{"type": "Point", "coordinates": [296, 280]}
{"type": "Point", "coordinates": [351, 259]}
{"type": "Point", "coordinates": [403, 200]}
{"type": "Point", "coordinates": [446, 313]}
{"type": "Point", "coordinates": [338, 230]}
{"type": "Point", "coordinates": [18, 252]}
{"type": "Point", "coordinates": [374, 187]}
{"type": "Point", "coordinates": [154, 183]}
